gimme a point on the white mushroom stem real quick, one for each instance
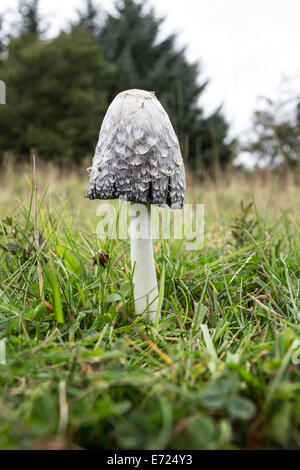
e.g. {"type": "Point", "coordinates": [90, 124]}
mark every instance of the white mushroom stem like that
{"type": "Point", "coordinates": [142, 261]}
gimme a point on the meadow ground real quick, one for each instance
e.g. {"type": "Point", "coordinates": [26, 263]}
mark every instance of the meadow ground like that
{"type": "Point", "coordinates": [219, 371]}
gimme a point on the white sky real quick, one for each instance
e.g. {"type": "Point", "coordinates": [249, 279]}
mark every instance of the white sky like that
{"type": "Point", "coordinates": [246, 47]}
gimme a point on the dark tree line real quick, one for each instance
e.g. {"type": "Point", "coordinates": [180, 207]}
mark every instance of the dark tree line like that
{"type": "Point", "coordinates": [58, 89]}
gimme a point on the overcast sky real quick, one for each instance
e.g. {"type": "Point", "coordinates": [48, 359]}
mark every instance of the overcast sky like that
{"type": "Point", "coordinates": [246, 47]}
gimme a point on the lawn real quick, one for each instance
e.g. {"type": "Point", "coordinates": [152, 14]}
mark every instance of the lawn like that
{"type": "Point", "coordinates": [219, 371]}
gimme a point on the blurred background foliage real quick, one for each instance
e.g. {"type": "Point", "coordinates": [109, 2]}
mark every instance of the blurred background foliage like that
{"type": "Point", "coordinates": [58, 89]}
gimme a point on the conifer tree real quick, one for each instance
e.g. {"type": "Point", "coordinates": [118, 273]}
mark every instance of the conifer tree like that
{"type": "Point", "coordinates": [130, 39]}
{"type": "Point", "coordinates": [89, 18]}
{"type": "Point", "coordinates": [57, 95]}
{"type": "Point", "coordinates": [2, 37]}
{"type": "Point", "coordinates": [29, 16]}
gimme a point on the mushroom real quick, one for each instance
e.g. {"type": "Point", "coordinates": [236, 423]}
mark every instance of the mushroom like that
{"type": "Point", "coordinates": [138, 159]}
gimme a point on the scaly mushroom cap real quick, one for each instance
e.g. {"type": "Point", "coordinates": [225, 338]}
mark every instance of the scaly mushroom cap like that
{"type": "Point", "coordinates": [137, 157]}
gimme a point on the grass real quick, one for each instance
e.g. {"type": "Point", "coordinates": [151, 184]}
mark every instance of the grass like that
{"type": "Point", "coordinates": [218, 371]}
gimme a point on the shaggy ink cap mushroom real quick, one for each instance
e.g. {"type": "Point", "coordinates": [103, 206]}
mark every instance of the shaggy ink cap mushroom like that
{"type": "Point", "coordinates": [138, 157]}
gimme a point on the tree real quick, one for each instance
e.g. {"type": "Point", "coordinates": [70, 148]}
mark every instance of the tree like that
{"type": "Point", "coordinates": [276, 130]}
{"type": "Point", "coordinates": [57, 95]}
{"type": "Point", "coordinates": [89, 18]}
{"type": "Point", "coordinates": [2, 36]}
{"type": "Point", "coordinates": [30, 20]}
{"type": "Point", "coordinates": [130, 40]}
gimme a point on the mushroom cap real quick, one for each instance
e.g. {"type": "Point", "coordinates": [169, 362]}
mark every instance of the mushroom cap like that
{"type": "Point", "coordinates": [138, 157]}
